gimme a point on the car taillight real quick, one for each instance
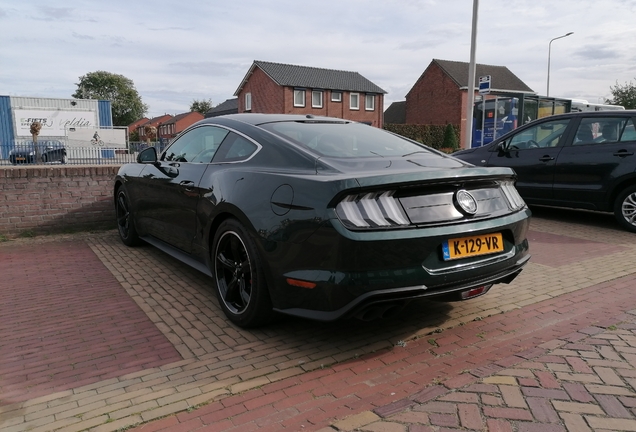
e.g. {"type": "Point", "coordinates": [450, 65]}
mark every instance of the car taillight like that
{"type": "Point", "coordinates": [515, 202]}
{"type": "Point", "coordinates": [371, 210]}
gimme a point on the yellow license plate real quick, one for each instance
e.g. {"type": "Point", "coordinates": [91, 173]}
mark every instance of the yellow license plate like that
{"type": "Point", "coordinates": [465, 247]}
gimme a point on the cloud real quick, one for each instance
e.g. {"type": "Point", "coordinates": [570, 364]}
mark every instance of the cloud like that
{"type": "Point", "coordinates": [205, 49]}
{"type": "Point", "coordinates": [596, 52]}
{"type": "Point", "coordinates": [82, 36]}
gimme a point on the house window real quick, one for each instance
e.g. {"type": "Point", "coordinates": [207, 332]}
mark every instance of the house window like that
{"type": "Point", "coordinates": [369, 102]}
{"type": "Point", "coordinates": [299, 98]}
{"type": "Point", "coordinates": [248, 101]}
{"type": "Point", "coordinates": [316, 99]}
{"type": "Point", "coordinates": [354, 101]}
{"type": "Point", "coordinates": [336, 96]}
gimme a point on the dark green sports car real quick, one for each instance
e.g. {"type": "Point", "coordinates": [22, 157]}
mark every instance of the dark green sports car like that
{"type": "Point", "coordinates": [321, 217]}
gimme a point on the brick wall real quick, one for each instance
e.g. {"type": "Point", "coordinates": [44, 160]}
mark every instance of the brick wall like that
{"type": "Point", "coordinates": [51, 199]}
{"type": "Point", "coordinates": [267, 96]}
{"type": "Point", "coordinates": [435, 99]}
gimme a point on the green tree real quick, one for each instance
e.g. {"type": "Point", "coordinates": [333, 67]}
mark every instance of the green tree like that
{"type": "Point", "coordinates": [201, 106]}
{"type": "Point", "coordinates": [624, 95]}
{"type": "Point", "coordinates": [450, 138]}
{"type": "Point", "coordinates": [125, 101]}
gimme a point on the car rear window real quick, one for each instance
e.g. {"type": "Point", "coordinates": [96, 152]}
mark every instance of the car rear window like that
{"type": "Point", "coordinates": [344, 140]}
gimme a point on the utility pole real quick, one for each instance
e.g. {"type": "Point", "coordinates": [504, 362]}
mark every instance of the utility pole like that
{"type": "Point", "coordinates": [472, 72]}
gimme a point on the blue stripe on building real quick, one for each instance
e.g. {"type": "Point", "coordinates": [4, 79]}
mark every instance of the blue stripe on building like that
{"type": "Point", "coordinates": [7, 133]}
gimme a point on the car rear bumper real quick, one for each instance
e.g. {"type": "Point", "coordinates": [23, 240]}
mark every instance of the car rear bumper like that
{"type": "Point", "coordinates": [351, 274]}
{"type": "Point", "coordinates": [381, 302]}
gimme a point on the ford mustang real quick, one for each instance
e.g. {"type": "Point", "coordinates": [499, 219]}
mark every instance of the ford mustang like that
{"type": "Point", "coordinates": [322, 218]}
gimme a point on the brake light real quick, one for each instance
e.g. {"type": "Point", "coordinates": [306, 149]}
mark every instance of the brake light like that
{"type": "Point", "coordinates": [371, 210]}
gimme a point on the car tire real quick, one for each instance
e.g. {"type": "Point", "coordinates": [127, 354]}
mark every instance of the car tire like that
{"type": "Point", "coordinates": [625, 208]}
{"type": "Point", "coordinates": [238, 275]}
{"type": "Point", "coordinates": [125, 221]}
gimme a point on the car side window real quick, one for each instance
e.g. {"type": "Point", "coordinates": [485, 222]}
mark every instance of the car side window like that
{"type": "Point", "coordinates": [542, 135]}
{"type": "Point", "coordinates": [629, 132]}
{"type": "Point", "coordinates": [595, 130]}
{"type": "Point", "coordinates": [235, 148]}
{"type": "Point", "coordinates": [197, 145]}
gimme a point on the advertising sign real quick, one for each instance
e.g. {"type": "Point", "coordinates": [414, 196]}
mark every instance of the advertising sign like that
{"type": "Point", "coordinates": [87, 137]}
{"type": "Point", "coordinates": [54, 122]}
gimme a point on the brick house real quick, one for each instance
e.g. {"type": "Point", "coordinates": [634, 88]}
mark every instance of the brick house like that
{"type": "Point", "coordinates": [440, 94]}
{"type": "Point", "coordinates": [289, 89]}
{"type": "Point", "coordinates": [171, 127]}
{"type": "Point", "coordinates": [134, 125]}
{"type": "Point", "coordinates": [395, 113]}
{"type": "Point", "coordinates": [230, 106]}
{"type": "Point", "coordinates": [155, 121]}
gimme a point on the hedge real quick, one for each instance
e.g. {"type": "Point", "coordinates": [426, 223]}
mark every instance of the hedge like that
{"type": "Point", "coordinates": [430, 135]}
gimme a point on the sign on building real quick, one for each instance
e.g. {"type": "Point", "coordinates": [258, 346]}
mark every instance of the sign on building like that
{"type": "Point", "coordinates": [54, 122]}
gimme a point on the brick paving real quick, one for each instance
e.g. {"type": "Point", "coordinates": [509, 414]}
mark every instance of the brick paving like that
{"type": "Point", "coordinates": [504, 361]}
{"type": "Point", "coordinates": [50, 309]}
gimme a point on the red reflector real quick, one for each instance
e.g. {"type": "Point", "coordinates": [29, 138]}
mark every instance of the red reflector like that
{"type": "Point", "coordinates": [300, 283]}
{"type": "Point", "coordinates": [475, 292]}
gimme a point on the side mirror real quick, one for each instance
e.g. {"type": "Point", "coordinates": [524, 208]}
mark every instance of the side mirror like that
{"type": "Point", "coordinates": [148, 155]}
{"type": "Point", "coordinates": [501, 147]}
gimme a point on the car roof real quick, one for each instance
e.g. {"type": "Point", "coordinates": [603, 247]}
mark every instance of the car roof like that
{"type": "Point", "coordinates": [605, 113]}
{"type": "Point", "coordinates": [256, 119]}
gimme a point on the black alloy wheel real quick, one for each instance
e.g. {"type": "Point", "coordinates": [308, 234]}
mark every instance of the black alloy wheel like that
{"type": "Point", "coordinates": [125, 222]}
{"type": "Point", "coordinates": [240, 284]}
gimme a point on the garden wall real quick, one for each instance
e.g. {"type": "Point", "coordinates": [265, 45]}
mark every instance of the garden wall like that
{"type": "Point", "coordinates": [50, 199]}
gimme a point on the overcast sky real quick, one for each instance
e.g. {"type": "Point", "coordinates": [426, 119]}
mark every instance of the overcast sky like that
{"type": "Point", "coordinates": [176, 52]}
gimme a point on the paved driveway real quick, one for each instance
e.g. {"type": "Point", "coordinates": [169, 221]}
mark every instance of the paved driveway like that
{"type": "Point", "coordinates": [94, 335]}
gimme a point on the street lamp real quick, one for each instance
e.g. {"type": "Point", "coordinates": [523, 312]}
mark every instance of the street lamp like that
{"type": "Point", "coordinates": [547, 93]}
{"type": "Point", "coordinates": [472, 72]}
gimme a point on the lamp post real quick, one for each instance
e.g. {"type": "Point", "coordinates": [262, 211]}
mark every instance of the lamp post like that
{"type": "Point", "coordinates": [472, 72]}
{"type": "Point", "coordinates": [547, 93]}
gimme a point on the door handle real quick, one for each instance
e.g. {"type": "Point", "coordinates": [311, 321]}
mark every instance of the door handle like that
{"type": "Point", "coordinates": [546, 158]}
{"type": "Point", "coordinates": [623, 153]}
{"type": "Point", "coordinates": [186, 183]}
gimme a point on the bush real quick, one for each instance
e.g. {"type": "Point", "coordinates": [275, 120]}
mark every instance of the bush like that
{"type": "Point", "coordinates": [450, 138]}
{"type": "Point", "coordinates": [429, 135]}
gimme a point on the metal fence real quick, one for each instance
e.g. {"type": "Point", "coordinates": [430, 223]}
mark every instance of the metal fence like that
{"type": "Point", "coordinates": [56, 152]}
